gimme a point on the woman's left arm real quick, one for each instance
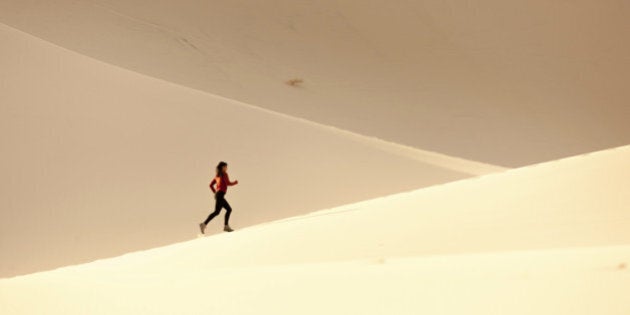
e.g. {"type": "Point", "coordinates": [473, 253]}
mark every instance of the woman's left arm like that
{"type": "Point", "coordinates": [229, 182]}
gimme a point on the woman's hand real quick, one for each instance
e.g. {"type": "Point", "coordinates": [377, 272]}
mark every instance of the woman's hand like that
{"type": "Point", "coordinates": [235, 182]}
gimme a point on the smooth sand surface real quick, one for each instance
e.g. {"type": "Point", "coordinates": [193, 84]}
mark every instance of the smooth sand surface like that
{"type": "Point", "coordinates": [98, 160]}
{"type": "Point", "coordinates": [546, 239]}
{"type": "Point", "coordinates": [506, 83]}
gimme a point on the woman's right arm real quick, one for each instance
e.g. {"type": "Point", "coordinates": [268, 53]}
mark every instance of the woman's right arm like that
{"type": "Point", "coordinates": [212, 183]}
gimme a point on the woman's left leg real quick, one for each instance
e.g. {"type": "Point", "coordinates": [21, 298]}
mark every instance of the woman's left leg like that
{"type": "Point", "coordinates": [228, 211]}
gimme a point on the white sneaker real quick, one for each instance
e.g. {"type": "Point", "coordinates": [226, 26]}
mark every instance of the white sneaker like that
{"type": "Point", "coordinates": [202, 227]}
{"type": "Point", "coordinates": [227, 228]}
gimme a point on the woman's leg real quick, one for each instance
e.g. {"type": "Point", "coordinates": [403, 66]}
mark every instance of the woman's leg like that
{"type": "Point", "coordinates": [228, 211]}
{"type": "Point", "coordinates": [217, 208]}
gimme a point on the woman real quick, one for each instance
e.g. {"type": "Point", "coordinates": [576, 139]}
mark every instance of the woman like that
{"type": "Point", "coordinates": [222, 181]}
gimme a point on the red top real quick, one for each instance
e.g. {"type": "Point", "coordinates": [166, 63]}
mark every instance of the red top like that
{"type": "Point", "coordinates": [222, 183]}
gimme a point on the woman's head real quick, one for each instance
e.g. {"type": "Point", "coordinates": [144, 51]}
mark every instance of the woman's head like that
{"type": "Point", "coordinates": [221, 168]}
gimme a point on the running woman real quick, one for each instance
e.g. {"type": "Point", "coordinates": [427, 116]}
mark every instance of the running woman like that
{"type": "Point", "coordinates": [222, 181]}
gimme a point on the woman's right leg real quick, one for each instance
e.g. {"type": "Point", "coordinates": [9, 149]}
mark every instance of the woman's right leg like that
{"type": "Point", "coordinates": [217, 208]}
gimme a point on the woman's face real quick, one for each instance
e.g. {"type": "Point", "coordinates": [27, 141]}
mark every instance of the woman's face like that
{"type": "Point", "coordinates": [224, 168]}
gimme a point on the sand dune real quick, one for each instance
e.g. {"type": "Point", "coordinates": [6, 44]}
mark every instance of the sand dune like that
{"type": "Point", "coordinates": [372, 186]}
{"type": "Point", "coordinates": [546, 239]}
{"type": "Point", "coordinates": [500, 82]}
{"type": "Point", "coordinates": [98, 160]}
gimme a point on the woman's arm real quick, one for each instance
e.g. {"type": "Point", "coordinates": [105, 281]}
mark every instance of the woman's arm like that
{"type": "Point", "coordinates": [212, 183]}
{"type": "Point", "coordinates": [229, 182]}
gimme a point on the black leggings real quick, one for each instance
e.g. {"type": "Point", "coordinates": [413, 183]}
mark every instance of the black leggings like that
{"type": "Point", "coordinates": [221, 203]}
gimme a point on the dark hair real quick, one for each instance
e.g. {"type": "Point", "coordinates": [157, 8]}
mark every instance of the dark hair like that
{"type": "Point", "coordinates": [220, 168]}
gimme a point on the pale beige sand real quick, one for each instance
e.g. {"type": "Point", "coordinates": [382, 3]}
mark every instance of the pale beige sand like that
{"type": "Point", "coordinates": [504, 82]}
{"type": "Point", "coordinates": [98, 160]}
{"type": "Point", "coordinates": [550, 239]}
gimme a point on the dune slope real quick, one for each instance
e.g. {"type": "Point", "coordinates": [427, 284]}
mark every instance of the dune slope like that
{"type": "Point", "coordinates": [507, 83]}
{"type": "Point", "coordinates": [98, 160]}
{"type": "Point", "coordinates": [547, 239]}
